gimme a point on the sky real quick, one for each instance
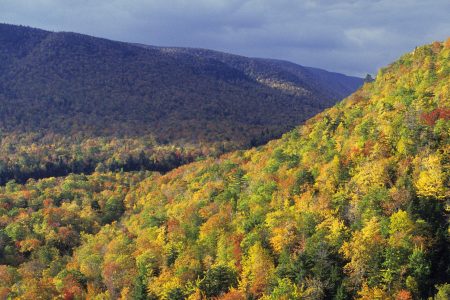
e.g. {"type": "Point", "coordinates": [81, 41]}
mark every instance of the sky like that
{"type": "Point", "coordinates": [353, 37]}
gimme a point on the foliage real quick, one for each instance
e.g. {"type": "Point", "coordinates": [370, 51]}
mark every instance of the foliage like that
{"type": "Point", "coordinates": [354, 204]}
{"type": "Point", "coordinates": [66, 83]}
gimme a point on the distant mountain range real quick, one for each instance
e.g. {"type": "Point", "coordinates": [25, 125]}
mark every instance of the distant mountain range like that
{"type": "Point", "coordinates": [69, 83]}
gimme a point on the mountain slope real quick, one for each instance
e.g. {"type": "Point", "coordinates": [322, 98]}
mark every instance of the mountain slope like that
{"type": "Point", "coordinates": [71, 103]}
{"type": "Point", "coordinates": [354, 204]}
{"type": "Point", "coordinates": [282, 75]}
{"type": "Point", "coordinates": [66, 82]}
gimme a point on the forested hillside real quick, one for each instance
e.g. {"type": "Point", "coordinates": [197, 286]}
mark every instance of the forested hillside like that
{"type": "Point", "coordinates": [354, 204]}
{"type": "Point", "coordinates": [278, 74]}
{"type": "Point", "coordinates": [40, 155]}
{"type": "Point", "coordinates": [70, 83]}
{"type": "Point", "coordinates": [65, 95]}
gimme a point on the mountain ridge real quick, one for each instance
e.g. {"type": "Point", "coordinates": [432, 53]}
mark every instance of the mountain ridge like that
{"type": "Point", "coordinates": [67, 95]}
{"type": "Point", "coordinates": [67, 68]}
{"type": "Point", "coordinates": [254, 67]}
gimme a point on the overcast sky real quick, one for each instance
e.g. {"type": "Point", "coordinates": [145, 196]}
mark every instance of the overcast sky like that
{"type": "Point", "coordinates": [353, 36]}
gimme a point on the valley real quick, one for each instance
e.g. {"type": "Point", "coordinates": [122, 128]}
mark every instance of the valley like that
{"type": "Point", "coordinates": [351, 204]}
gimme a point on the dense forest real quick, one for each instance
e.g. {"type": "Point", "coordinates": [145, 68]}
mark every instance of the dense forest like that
{"type": "Point", "coordinates": [70, 103]}
{"type": "Point", "coordinates": [32, 155]}
{"type": "Point", "coordinates": [282, 75]}
{"type": "Point", "coordinates": [71, 83]}
{"type": "Point", "coordinates": [353, 204]}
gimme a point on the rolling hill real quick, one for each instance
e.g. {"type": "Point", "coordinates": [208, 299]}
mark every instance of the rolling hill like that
{"type": "Point", "coordinates": [354, 204]}
{"type": "Point", "coordinates": [70, 83]}
{"type": "Point", "coordinates": [281, 75]}
{"type": "Point", "coordinates": [70, 103]}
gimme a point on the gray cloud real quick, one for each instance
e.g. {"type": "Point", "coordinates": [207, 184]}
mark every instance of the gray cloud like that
{"type": "Point", "coordinates": [353, 36]}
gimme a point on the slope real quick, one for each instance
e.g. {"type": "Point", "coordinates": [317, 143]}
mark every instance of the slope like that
{"type": "Point", "coordinates": [71, 103]}
{"type": "Point", "coordinates": [354, 204]}
{"type": "Point", "coordinates": [66, 82]}
{"type": "Point", "coordinates": [281, 75]}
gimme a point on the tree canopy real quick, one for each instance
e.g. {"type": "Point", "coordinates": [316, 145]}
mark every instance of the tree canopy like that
{"type": "Point", "coordinates": [353, 204]}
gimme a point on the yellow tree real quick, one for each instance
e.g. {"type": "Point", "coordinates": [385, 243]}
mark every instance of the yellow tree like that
{"type": "Point", "coordinates": [430, 181]}
{"type": "Point", "coordinates": [364, 252]}
{"type": "Point", "coordinates": [257, 271]}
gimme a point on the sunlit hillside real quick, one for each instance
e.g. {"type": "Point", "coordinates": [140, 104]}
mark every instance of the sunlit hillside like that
{"type": "Point", "coordinates": [354, 204]}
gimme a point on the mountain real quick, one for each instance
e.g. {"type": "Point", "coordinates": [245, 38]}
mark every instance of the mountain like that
{"type": "Point", "coordinates": [354, 204]}
{"type": "Point", "coordinates": [71, 103]}
{"type": "Point", "coordinates": [66, 82]}
{"type": "Point", "coordinates": [278, 74]}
